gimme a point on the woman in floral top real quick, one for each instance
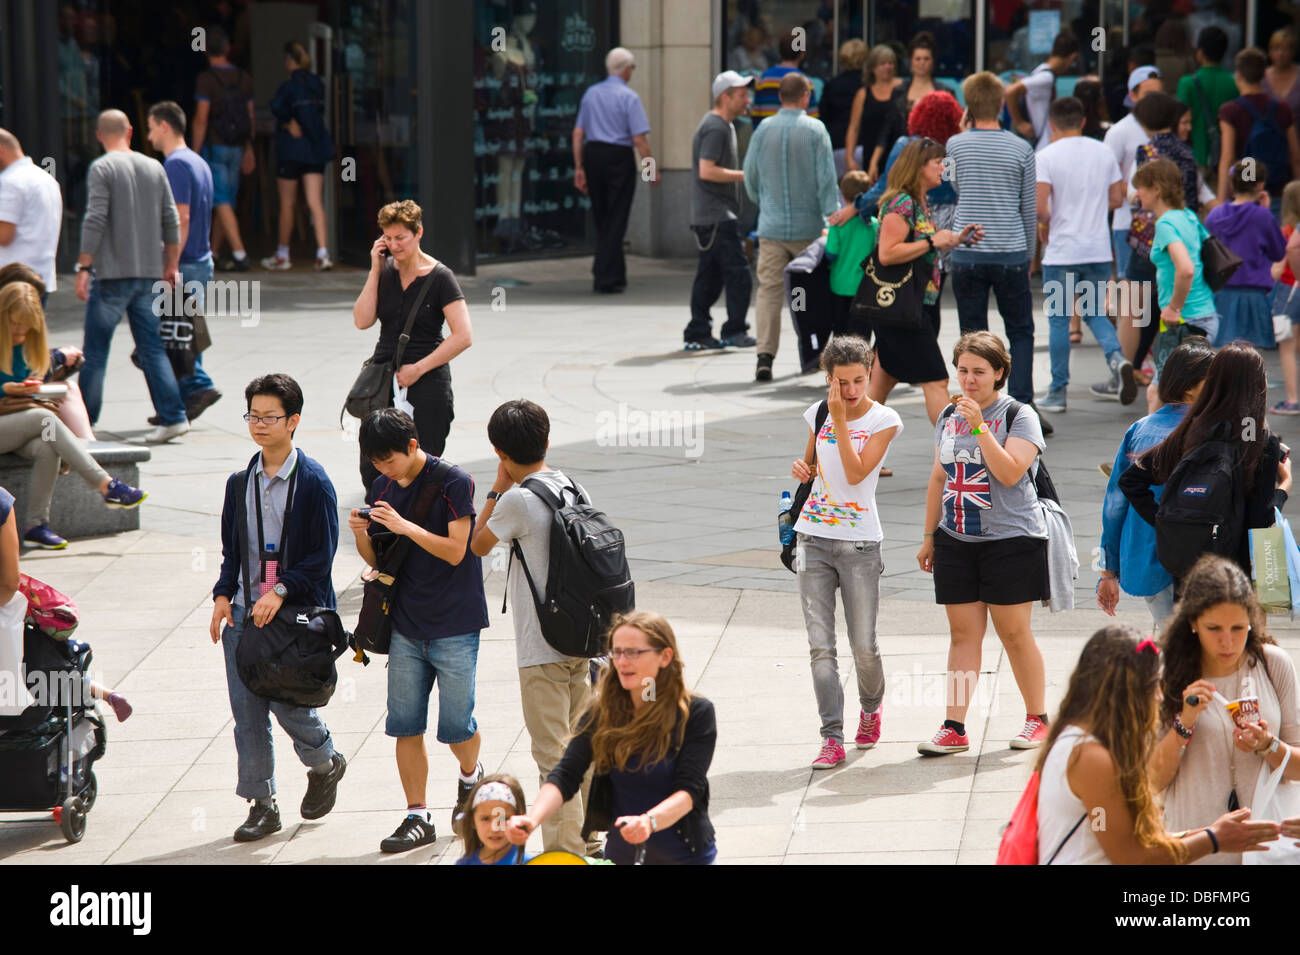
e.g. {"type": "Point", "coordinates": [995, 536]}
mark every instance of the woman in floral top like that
{"type": "Point", "coordinates": [907, 233]}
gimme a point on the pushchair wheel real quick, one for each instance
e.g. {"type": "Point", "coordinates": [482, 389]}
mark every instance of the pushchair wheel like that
{"type": "Point", "coordinates": [72, 820]}
{"type": "Point", "coordinates": [91, 792]}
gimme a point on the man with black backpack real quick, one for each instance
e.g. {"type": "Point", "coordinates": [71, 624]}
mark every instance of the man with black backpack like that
{"type": "Point", "coordinates": [437, 613]}
{"type": "Point", "coordinates": [521, 511]}
{"type": "Point", "coordinates": [223, 136]}
{"type": "Point", "coordinates": [286, 542]}
{"type": "Point", "coordinates": [1259, 125]}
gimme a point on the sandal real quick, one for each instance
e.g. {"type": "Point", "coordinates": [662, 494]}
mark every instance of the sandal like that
{"type": "Point", "coordinates": [886, 472]}
{"type": "Point", "coordinates": [1076, 337]}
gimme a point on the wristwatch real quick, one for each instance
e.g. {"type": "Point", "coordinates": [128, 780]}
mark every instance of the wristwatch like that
{"type": "Point", "coordinates": [654, 823]}
{"type": "Point", "coordinates": [83, 268]}
{"type": "Point", "coordinates": [280, 590]}
{"type": "Point", "coordinates": [493, 495]}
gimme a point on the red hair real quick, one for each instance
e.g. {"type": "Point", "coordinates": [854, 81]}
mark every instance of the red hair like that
{"type": "Point", "coordinates": [937, 115]}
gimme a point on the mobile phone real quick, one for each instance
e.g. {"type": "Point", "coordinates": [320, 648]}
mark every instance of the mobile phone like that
{"type": "Point", "coordinates": [364, 511]}
{"type": "Point", "coordinates": [385, 250]}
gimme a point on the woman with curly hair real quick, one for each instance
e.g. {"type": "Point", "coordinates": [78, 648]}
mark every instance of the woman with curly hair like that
{"type": "Point", "coordinates": [1218, 642]}
{"type": "Point", "coordinates": [650, 741]}
{"type": "Point", "coordinates": [1093, 768]}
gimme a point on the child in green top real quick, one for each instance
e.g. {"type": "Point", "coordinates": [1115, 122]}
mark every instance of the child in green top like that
{"type": "Point", "coordinates": [847, 245]}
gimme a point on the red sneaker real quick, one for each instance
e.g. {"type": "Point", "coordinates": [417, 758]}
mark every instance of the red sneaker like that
{"type": "Point", "coordinates": [832, 754]}
{"type": "Point", "coordinates": [946, 741]}
{"type": "Point", "coordinates": [868, 728]}
{"type": "Point", "coordinates": [1032, 736]}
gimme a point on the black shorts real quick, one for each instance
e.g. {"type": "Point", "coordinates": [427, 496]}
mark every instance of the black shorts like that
{"type": "Point", "coordinates": [291, 169]}
{"type": "Point", "coordinates": [1001, 572]}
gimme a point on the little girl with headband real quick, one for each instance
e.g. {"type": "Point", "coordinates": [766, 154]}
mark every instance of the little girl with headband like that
{"type": "Point", "coordinates": [490, 804]}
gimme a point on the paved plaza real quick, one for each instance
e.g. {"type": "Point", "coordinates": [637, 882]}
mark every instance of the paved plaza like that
{"type": "Point", "coordinates": [688, 456]}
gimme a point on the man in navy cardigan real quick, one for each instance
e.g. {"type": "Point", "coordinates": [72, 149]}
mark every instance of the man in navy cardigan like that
{"type": "Point", "coordinates": [282, 561]}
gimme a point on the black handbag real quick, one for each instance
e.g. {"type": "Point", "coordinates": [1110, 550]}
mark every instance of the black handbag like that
{"type": "Point", "coordinates": [892, 296]}
{"type": "Point", "coordinates": [1218, 262]}
{"type": "Point", "coordinates": [374, 630]}
{"type": "Point", "coordinates": [373, 388]}
{"type": "Point", "coordinates": [801, 493]}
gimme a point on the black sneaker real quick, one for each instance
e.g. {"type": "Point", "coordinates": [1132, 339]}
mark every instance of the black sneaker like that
{"type": "Point", "coordinates": [200, 402]}
{"type": "Point", "coordinates": [1048, 430]}
{"type": "Point", "coordinates": [704, 344]}
{"type": "Point", "coordinates": [322, 789]}
{"type": "Point", "coordinates": [742, 340]}
{"type": "Point", "coordinates": [261, 822]}
{"type": "Point", "coordinates": [462, 792]}
{"type": "Point", "coordinates": [411, 834]}
{"type": "Point", "coordinates": [233, 264]}
{"type": "Point", "coordinates": [764, 370]}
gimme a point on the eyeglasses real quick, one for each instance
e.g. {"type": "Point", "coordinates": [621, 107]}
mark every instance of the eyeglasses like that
{"type": "Point", "coordinates": [270, 419]}
{"type": "Point", "coordinates": [618, 652]}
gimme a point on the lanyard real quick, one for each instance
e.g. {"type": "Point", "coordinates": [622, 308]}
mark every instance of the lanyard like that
{"type": "Point", "coordinates": [284, 525]}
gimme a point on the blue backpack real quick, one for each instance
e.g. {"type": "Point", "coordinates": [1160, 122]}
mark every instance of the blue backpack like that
{"type": "Point", "coordinates": [1267, 143]}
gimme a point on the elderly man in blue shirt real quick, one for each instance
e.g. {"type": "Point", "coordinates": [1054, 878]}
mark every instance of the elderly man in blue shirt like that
{"type": "Point", "coordinates": [790, 173]}
{"type": "Point", "coordinates": [611, 122]}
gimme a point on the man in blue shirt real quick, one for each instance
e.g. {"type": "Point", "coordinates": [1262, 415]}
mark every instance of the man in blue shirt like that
{"type": "Point", "coordinates": [611, 121]}
{"type": "Point", "coordinates": [279, 531]}
{"type": "Point", "coordinates": [438, 610]}
{"type": "Point", "coordinates": [191, 182]}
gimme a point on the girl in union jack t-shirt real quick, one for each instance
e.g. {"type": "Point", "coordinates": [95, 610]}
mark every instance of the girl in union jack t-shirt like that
{"type": "Point", "coordinates": [985, 539]}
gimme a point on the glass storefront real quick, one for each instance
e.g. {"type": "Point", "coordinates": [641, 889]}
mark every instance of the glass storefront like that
{"type": "Point", "coordinates": [532, 63]}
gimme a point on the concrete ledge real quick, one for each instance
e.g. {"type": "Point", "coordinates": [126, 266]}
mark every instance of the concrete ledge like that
{"type": "Point", "coordinates": [78, 511]}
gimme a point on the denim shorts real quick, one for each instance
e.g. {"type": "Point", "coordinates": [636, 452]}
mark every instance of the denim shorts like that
{"type": "Point", "coordinates": [413, 668]}
{"type": "Point", "coordinates": [225, 162]}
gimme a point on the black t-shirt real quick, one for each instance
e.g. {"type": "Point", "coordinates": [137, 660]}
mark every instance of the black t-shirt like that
{"type": "Point", "coordinates": [434, 598]}
{"type": "Point", "coordinates": [393, 305]}
{"type": "Point", "coordinates": [837, 104]}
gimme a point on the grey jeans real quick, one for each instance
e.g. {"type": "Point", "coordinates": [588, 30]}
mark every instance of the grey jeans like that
{"type": "Point", "coordinates": [39, 435]}
{"type": "Point", "coordinates": [854, 567]}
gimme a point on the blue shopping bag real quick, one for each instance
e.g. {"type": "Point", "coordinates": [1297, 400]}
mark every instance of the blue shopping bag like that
{"type": "Point", "coordinates": [1292, 559]}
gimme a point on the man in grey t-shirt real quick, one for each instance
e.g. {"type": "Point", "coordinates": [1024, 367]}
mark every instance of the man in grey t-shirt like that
{"type": "Point", "coordinates": [715, 220]}
{"type": "Point", "coordinates": [555, 688]}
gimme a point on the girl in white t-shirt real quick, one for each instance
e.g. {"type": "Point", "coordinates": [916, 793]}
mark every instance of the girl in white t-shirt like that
{"type": "Point", "coordinates": [1096, 804]}
{"type": "Point", "coordinates": [839, 537]}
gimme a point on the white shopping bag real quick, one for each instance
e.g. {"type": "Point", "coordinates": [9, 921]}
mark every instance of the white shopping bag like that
{"type": "Point", "coordinates": [1274, 801]}
{"type": "Point", "coordinates": [399, 399]}
{"type": "Point", "coordinates": [14, 697]}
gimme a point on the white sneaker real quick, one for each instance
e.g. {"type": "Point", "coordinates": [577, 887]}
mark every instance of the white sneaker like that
{"type": "Point", "coordinates": [323, 264]}
{"type": "Point", "coordinates": [165, 432]}
{"type": "Point", "coordinates": [273, 263]}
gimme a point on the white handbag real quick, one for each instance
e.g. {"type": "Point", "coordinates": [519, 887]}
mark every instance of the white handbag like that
{"type": "Point", "coordinates": [1275, 800]}
{"type": "Point", "coordinates": [14, 697]}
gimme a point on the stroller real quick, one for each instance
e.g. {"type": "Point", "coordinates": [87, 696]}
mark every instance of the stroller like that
{"type": "Point", "coordinates": [47, 751]}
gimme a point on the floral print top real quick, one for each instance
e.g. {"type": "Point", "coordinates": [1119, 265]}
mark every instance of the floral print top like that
{"type": "Point", "coordinates": [922, 225]}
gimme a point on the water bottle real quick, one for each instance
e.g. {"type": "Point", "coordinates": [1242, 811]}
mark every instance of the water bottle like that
{"type": "Point", "coordinates": [785, 520]}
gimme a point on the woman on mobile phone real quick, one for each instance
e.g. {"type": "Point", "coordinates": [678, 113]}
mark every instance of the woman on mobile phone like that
{"type": "Point", "coordinates": [399, 274]}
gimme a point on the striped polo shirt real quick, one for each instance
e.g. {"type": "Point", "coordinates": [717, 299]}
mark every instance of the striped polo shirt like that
{"type": "Point", "coordinates": [994, 175]}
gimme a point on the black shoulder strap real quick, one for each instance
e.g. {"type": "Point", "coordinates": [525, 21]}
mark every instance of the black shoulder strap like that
{"type": "Point", "coordinates": [1205, 104]}
{"type": "Point", "coordinates": [552, 500]}
{"type": "Point", "coordinates": [429, 490]}
{"type": "Point", "coordinates": [823, 410]}
{"type": "Point", "coordinates": [1066, 839]}
{"type": "Point", "coordinates": [241, 535]}
{"type": "Point", "coordinates": [405, 337]}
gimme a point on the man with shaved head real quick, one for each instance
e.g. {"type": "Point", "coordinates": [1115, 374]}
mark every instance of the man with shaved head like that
{"type": "Point", "coordinates": [130, 238]}
{"type": "Point", "coordinates": [31, 212]}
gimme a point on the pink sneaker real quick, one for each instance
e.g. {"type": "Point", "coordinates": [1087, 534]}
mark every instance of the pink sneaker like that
{"type": "Point", "coordinates": [832, 754]}
{"type": "Point", "coordinates": [1032, 736]}
{"type": "Point", "coordinates": [868, 728]}
{"type": "Point", "coordinates": [946, 741]}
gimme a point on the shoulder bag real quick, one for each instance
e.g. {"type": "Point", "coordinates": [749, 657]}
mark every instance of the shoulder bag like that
{"type": "Point", "coordinates": [374, 630]}
{"type": "Point", "coordinates": [1218, 262]}
{"type": "Point", "coordinates": [801, 493]}
{"type": "Point", "coordinates": [373, 388]}
{"type": "Point", "coordinates": [892, 296]}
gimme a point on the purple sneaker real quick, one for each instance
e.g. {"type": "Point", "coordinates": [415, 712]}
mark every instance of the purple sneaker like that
{"type": "Point", "coordinates": [42, 536]}
{"type": "Point", "coordinates": [868, 728]}
{"type": "Point", "coordinates": [123, 495]}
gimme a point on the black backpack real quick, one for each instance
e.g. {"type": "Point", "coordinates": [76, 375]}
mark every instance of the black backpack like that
{"type": "Point", "coordinates": [1202, 508]}
{"type": "Point", "coordinates": [230, 121]}
{"type": "Point", "coordinates": [1043, 485]}
{"type": "Point", "coordinates": [588, 580]}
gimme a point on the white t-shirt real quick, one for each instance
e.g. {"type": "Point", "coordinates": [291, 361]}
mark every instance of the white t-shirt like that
{"type": "Point", "coordinates": [835, 508]}
{"type": "Point", "coordinates": [1124, 138]}
{"type": "Point", "coordinates": [30, 198]}
{"type": "Point", "coordinates": [1059, 809]}
{"type": "Point", "coordinates": [1080, 171]}
{"type": "Point", "coordinates": [1038, 100]}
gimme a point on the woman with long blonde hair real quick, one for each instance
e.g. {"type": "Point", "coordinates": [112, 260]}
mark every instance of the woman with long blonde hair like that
{"type": "Point", "coordinates": [650, 741]}
{"type": "Point", "coordinates": [25, 355]}
{"type": "Point", "coordinates": [1095, 799]}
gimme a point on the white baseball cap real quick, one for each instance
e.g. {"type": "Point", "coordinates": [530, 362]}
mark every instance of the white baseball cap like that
{"type": "Point", "coordinates": [1137, 78]}
{"type": "Point", "coordinates": [729, 80]}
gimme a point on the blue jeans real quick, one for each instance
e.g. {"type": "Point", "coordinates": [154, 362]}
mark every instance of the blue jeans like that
{"type": "Point", "coordinates": [1161, 606]}
{"type": "Point", "coordinates": [413, 667]}
{"type": "Point", "coordinates": [1010, 284]}
{"type": "Point", "coordinates": [109, 298]}
{"type": "Point", "coordinates": [200, 272]}
{"type": "Point", "coordinates": [1123, 251]}
{"type": "Point", "coordinates": [1061, 283]}
{"type": "Point", "coordinates": [252, 713]}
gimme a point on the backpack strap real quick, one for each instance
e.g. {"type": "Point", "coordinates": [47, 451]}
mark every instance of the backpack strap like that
{"type": "Point", "coordinates": [1205, 103]}
{"type": "Point", "coordinates": [1066, 839]}
{"type": "Point", "coordinates": [429, 490]}
{"type": "Point", "coordinates": [552, 500]}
